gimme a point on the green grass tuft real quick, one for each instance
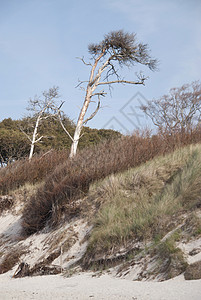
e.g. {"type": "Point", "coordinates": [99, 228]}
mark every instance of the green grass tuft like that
{"type": "Point", "coordinates": [143, 203]}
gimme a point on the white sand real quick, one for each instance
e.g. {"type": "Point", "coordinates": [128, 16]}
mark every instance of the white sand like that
{"type": "Point", "coordinates": [85, 286]}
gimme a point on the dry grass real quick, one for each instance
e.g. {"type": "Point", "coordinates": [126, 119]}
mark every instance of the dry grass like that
{"type": "Point", "coordinates": [191, 227]}
{"type": "Point", "coordinates": [6, 202]}
{"type": "Point", "coordinates": [144, 203]}
{"type": "Point", "coordinates": [11, 259]}
{"type": "Point", "coordinates": [24, 171]}
{"type": "Point", "coordinates": [193, 271]}
{"type": "Point", "coordinates": [18, 197]}
{"type": "Point", "coordinates": [66, 181]}
{"type": "Point", "coordinates": [71, 180]}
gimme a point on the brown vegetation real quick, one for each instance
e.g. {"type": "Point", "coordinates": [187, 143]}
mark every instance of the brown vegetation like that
{"type": "Point", "coordinates": [6, 202]}
{"type": "Point", "coordinates": [131, 212]}
{"type": "Point", "coordinates": [41, 268]}
{"type": "Point", "coordinates": [24, 171]}
{"type": "Point", "coordinates": [11, 259]}
{"type": "Point", "coordinates": [71, 179]}
{"type": "Point", "coordinates": [193, 271]}
{"type": "Point", "coordinates": [68, 180]}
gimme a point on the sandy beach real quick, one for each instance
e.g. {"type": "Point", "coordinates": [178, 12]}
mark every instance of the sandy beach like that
{"type": "Point", "coordinates": [84, 286]}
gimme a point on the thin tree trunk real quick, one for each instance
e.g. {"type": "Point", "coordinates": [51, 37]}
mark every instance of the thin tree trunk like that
{"type": "Point", "coordinates": [34, 138]}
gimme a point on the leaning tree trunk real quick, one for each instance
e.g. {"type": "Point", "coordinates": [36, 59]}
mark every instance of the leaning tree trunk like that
{"type": "Point", "coordinates": [92, 85]}
{"type": "Point", "coordinates": [80, 124]}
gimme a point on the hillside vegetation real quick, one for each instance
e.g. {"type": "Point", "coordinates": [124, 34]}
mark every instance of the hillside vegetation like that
{"type": "Point", "coordinates": [14, 144]}
{"type": "Point", "coordinates": [145, 203]}
{"type": "Point", "coordinates": [66, 180]}
{"type": "Point", "coordinates": [137, 200]}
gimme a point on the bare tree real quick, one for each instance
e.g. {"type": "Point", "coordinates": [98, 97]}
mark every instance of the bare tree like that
{"type": "Point", "coordinates": [178, 110]}
{"type": "Point", "coordinates": [41, 109]}
{"type": "Point", "coordinates": [117, 49]}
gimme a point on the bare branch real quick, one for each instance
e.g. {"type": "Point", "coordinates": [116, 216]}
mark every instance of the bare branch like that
{"type": "Point", "coordinates": [178, 110]}
{"type": "Point", "coordinates": [60, 105]}
{"type": "Point", "coordinates": [64, 128]}
{"type": "Point", "coordinates": [47, 116]}
{"type": "Point", "coordinates": [46, 153]}
{"type": "Point", "coordinates": [80, 83]}
{"type": "Point", "coordinates": [43, 109]}
{"type": "Point", "coordinates": [94, 82]}
{"type": "Point", "coordinates": [121, 81]}
{"type": "Point", "coordinates": [94, 113]}
{"type": "Point", "coordinates": [101, 93]}
{"type": "Point", "coordinates": [25, 134]}
{"type": "Point", "coordinates": [82, 59]}
{"type": "Point", "coordinates": [40, 138]}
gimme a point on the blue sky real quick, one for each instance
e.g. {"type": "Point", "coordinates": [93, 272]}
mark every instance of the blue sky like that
{"type": "Point", "coordinates": [40, 40]}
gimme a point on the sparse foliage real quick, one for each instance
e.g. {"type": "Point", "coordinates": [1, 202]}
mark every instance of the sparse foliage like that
{"type": "Point", "coordinates": [42, 109]}
{"type": "Point", "coordinates": [117, 49]}
{"type": "Point", "coordinates": [178, 110]}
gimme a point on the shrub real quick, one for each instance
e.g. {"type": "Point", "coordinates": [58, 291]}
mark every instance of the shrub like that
{"type": "Point", "coordinates": [24, 171]}
{"type": "Point", "coordinates": [71, 179]}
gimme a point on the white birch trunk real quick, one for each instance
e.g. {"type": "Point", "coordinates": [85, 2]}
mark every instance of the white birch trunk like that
{"type": "Point", "coordinates": [75, 141]}
{"type": "Point", "coordinates": [34, 137]}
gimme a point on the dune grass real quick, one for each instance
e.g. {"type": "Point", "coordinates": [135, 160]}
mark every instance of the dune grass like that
{"type": "Point", "coordinates": [143, 203]}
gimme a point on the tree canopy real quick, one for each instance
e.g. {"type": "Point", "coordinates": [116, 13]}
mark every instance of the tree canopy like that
{"type": "Point", "coordinates": [124, 48]}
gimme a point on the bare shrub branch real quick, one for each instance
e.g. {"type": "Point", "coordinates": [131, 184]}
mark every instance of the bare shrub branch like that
{"type": "Point", "coordinates": [178, 110]}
